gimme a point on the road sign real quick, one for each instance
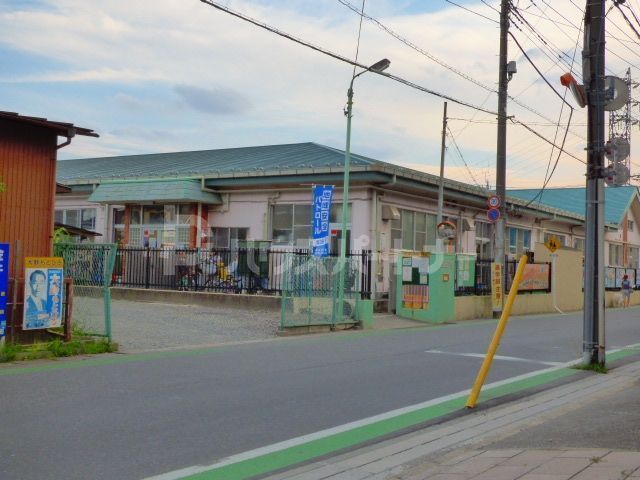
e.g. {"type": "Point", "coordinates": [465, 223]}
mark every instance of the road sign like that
{"type": "Point", "coordinates": [493, 201]}
{"type": "Point", "coordinates": [493, 214]}
{"type": "Point", "coordinates": [553, 244]}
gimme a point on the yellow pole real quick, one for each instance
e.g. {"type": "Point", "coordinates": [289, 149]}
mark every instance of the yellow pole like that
{"type": "Point", "coordinates": [497, 336]}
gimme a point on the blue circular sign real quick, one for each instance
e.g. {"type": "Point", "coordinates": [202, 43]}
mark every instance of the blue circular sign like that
{"type": "Point", "coordinates": [493, 214]}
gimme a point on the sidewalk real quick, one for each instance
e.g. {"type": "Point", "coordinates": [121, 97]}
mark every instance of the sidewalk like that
{"type": "Point", "coordinates": [587, 429]}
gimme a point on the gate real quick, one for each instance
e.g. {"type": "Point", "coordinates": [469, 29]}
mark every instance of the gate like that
{"type": "Point", "coordinates": [91, 268]}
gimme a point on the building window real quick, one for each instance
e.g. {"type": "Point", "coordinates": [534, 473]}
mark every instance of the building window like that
{"type": "Point", "coordinates": [291, 223]}
{"type": "Point", "coordinates": [227, 237]}
{"type": "Point", "coordinates": [630, 225]}
{"type": "Point", "coordinates": [519, 240]}
{"type": "Point", "coordinates": [578, 244]}
{"type": "Point", "coordinates": [413, 230]}
{"type": "Point", "coordinates": [484, 233]}
{"type": "Point", "coordinates": [634, 257]}
{"type": "Point", "coordinates": [158, 226]}
{"type": "Point", "coordinates": [77, 217]}
{"type": "Point", "coordinates": [616, 256]}
{"type": "Point", "coordinates": [561, 238]}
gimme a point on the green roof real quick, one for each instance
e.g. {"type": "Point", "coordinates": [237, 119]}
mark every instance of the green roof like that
{"type": "Point", "coordinates": [152, 191]}
{"type": "Point", "coordinates": [617, 200]}
{"type": "Point", "coordinates": [245, 160]}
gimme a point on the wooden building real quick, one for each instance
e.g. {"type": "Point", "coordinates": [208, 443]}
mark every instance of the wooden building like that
{"type": "Point", "coordinates": [28, 154]}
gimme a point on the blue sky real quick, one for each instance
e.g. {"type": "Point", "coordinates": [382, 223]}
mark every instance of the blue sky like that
{"type": "Point", "coordinates": [179, 75]}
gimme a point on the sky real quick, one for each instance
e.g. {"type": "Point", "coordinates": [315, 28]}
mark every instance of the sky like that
{"type": "Point", "coordinates": [178, 75]}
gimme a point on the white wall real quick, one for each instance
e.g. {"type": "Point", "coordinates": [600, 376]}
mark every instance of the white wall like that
{"type": "Point", "coordinates": [69, 202]}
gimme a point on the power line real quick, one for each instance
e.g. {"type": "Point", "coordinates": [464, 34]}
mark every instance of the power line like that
{"type": "Point", "coordinates": [472, 11]}
{"type": "Point", "coordinates": [440, 62]}
{"type": "Point", "coordinates": [384, 74]}
{"type": "Point", "coordinates": [339, 57]}
{"type": "Point", "coordinates": [462, 158]}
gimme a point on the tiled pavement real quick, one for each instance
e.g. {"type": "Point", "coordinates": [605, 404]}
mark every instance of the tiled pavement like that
{"type": "Point", "coordinates": [518, 464]}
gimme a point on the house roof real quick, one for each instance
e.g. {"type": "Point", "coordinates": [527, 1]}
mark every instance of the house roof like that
{"type": "Point", "coordinates": [617, 200]}
{"type": "Point", "coordinates": [62, 128]}
{"type": "Point", "coordinates": [177, 191]}
{"type": "Point", "coordinates": [288, 164]}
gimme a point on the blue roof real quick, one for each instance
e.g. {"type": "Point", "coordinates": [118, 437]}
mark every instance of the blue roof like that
{"type": "Point", "coordinates": [617, 200]}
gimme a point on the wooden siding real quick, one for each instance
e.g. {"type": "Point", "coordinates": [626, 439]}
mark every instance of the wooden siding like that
{"type": "Point", "coordinates": [28, 170]}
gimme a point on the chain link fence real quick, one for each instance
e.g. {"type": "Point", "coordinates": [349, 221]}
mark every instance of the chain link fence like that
{"type": "Point", "coordinates": [310, 290]}
{"type": "Point", "coordinates": [91, 268]}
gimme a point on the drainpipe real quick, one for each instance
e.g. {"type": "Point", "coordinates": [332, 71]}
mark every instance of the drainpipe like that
{"type": "Point", "coordinates": [71, 132]}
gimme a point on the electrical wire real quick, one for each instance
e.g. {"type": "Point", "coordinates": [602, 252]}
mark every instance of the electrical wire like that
{"type": "Point", "coordinates": [471, 11]}
{"type": "Point", "coordinates": [358, 42]}
{"type": "Point", "coordinates": [462, 158]}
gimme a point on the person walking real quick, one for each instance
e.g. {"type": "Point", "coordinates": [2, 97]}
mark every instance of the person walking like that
{"type": "Point", "coordinates": [626, 291]}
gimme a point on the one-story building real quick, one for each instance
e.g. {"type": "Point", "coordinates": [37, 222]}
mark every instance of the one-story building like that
{"type": "Point", "coordinates": [219, 198]}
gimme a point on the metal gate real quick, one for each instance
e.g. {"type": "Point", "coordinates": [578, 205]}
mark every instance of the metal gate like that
{"type": "Point", "coordinates": [91, 268]}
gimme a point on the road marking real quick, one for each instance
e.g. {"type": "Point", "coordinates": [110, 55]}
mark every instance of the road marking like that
{"type": "Point", "coordinates": [498, 357]}
{"type": "Point", "coordinates": [306, 447]}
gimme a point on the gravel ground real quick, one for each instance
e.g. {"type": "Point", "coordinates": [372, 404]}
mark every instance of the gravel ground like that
{"type": "Point", "coordinates": [142, 326]}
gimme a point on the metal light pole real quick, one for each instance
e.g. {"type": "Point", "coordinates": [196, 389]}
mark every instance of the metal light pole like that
{"type": "Point", "coordinates": [376, 67]}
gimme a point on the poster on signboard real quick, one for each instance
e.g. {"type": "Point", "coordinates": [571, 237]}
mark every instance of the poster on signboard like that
{"type": "Point", "coordinates": [536, 277]}
{"type": "Point", "coordinates": [4, 287]}
{"type": "Point", "coordinates": [42, 292]}
{"type": "Point", "coordinates": [322, 196]}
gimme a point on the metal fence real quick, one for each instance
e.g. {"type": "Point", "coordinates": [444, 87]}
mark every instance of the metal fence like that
{"type": "Point", "coordinates": [481, 275]}
{"type": "Point", "coordinates": [614, 275]}
{"type": "Point", "coordinates": [311, 290]}
{"type": "Point", "coordinates": [90, 265]}
{"type": "Point", "coordinates": [241, 270]}
{"type": "Point", "coordinates": [480, 278]}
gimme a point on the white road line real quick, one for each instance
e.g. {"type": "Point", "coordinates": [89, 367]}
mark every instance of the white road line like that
{"type": "Point", "coordinates": [497, 357]}
{"type": "Point", "coordinates": [258, 452]}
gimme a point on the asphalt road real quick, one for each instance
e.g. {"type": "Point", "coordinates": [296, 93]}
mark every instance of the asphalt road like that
{"type": "Point", "coordinates": [133, 416]}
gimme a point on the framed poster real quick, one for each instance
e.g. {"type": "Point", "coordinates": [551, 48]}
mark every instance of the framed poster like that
{"type": "Point", "coordinates": [42, 292]}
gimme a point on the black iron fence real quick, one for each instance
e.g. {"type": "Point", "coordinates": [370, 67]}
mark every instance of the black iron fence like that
{"type": "Point", "coordinates": [537, 279]}
{"type": "Point", "coordinates": [241, 270]}
{"type": "Point", "coordinates": [614, 276]}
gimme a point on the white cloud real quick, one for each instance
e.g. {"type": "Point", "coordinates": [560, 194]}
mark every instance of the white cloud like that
{"type": "Point", "coordinates": [282, 92]}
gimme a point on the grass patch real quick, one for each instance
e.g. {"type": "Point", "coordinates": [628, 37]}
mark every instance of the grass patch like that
{"type": "Point", "coordinates": [9, 352]}
{"type": "Point", "coordinates": [596, 367]}
{"type": "Point", "coordinates": [56, 348]}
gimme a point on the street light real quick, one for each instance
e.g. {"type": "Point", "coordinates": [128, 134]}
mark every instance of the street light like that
{"type": "Point", "coordinates": [376, 67]}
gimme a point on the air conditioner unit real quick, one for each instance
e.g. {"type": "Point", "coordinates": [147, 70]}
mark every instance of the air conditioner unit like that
{"type": "Point", "coordinates": [389, 212]}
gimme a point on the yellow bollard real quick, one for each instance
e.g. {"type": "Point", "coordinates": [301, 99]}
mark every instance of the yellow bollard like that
{"type": "Point", "coordinates": [497, 336]}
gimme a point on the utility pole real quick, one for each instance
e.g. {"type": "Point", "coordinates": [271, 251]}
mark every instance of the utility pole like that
{"type": "Point", "coordinates": [501, 150]}
{"type": "Point", "coordinates": [439, 241]}
{"type": "Point", "coordinates": [593, 345]}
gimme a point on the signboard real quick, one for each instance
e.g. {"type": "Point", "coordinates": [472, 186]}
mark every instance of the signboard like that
{"type": "Point", "coordinates": [496, 285]}
{"type": "Point", "coordinates": [4, 287]}
{"type": "Point", "coordinates": [493, 214]}
{"type": "Point", "coordinates": [322, 195]}
{"type": "Point", "coordinates": [553, 244]}
{"type": "Point", "coordinates": [493, 201]}
{"type": "Point", "coordinates": [42, 292]}
{"type": "Point", "coordinates": [536, 276]}
{"type": "Point", "coordinates": [415, 282]}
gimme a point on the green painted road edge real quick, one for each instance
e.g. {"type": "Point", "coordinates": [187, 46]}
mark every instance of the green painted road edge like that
{"type": "Point", "coordinates": [324, 446]}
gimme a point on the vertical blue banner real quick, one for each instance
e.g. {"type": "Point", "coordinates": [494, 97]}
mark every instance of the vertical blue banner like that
{"type": "Point", "coordinates": [322, 195]}
{"type": "Point", "coordinates": [4, 287]}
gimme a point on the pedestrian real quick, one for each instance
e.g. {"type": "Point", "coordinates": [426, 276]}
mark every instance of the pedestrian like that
{"type": "Point", "coordinates": [626, 291]}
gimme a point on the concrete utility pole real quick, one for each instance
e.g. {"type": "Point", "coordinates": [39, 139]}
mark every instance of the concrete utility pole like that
{"type": "Point", "coordinates": [501, 150]}
{"type": "Point", "coordinates": [593, 345]}
{"type": "Point", "coordinates": [439, 241]}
